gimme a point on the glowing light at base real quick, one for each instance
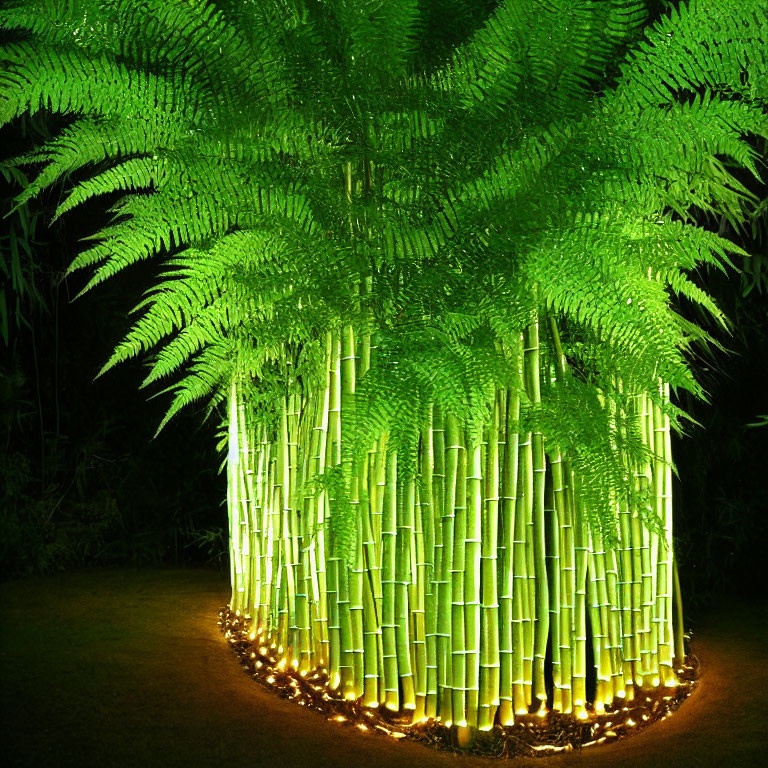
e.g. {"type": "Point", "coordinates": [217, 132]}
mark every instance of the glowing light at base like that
{"type": "Point", "coordinates": [534, 733]}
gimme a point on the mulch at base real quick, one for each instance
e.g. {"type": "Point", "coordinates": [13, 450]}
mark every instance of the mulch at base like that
{"type": "Point", "coordinates": [530, 736]}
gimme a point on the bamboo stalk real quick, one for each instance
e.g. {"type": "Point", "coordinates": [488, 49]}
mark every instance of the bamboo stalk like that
{"type": "Point", "coordinates": [537, 487]}
{"type": "Point", "coordinates": [456, 501]}
{"type": "Point", "coordinates": [579, 659]}
{"type": "Point", "coordinates": [556, 509]}
{"type": "Point", "coordinates": [521, 596]}
{"type": "Point", "coordinates": [567, 587]}
{"type": "Point", "coordinates": [507, 646]}
{"type": "Point", "coordinates": [445, 460]}
{"type": "Point", "coordinates": [432, 550]}
{"type": "Point", "coordinates": [404, 518]}
{"type": "Point", "coordinates": [490, 657]}
{"type": "Point", "coordinates": [233, 501]}
{"type": "Point", "coordinates": [388, 563]}
{"type": "Point", "coordinates": [416, 591]}
{"type": "Point", "coordinates": [472, 561]}
{"type": "Point", "coordinates": [333, 458]}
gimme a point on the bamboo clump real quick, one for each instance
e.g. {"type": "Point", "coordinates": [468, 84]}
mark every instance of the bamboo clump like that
{"type": "Point", "coordinates": [473, 590]}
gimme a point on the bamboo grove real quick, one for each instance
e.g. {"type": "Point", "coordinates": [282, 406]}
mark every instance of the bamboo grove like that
{"type": "Point", "coordinates": [462, 574]}
{"type": "Point", "coordinates": [425, 261]}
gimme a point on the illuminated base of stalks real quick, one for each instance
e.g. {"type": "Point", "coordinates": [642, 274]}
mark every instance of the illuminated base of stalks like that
{"type": "Point", "coordinates": [537, 733]}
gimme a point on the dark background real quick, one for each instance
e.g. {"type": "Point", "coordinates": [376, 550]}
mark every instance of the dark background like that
{"type": "Point", "coordinates": [83, 482]}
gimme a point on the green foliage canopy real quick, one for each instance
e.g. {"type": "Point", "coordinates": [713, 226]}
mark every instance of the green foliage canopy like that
{"type": "Point", "coordinates": [437, 174]}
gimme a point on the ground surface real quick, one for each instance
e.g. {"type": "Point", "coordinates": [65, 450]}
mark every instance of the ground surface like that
{"type": "Point", "coordinates": [128, 668]}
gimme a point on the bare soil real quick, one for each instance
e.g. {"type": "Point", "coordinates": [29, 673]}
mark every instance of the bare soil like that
{"type": "Point", "coordinates": [128, 668]}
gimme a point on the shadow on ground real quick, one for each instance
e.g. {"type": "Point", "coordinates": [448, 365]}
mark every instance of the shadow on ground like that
{"type": "Point", "coordinates": [128, 668]}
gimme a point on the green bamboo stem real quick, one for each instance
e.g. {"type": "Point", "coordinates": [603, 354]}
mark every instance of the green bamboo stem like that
{"type": "Point", "coordinates": [567, 588]}
{"type": "Point", "coordinates": [388, 583]}
{"type": "Point", "coordinates": [403, 569]}
{"type": "Point", "coordinates": [472, 561]}
{"type": "Point", "coordinates": [663, 614]}
{"type": "Point", "coordinates": [322, 427]}
{"type": "Point", "coordinates": [253, 510]}
{"type": "Point", "coordinates": [444, 478]}
{"type": "Point", "coordinates": [371, 627]}
{"type": "Point", "coordinates": [362, 665]}
{"type": "Point", "coordinates": [352, 581]}
{"type": "Point", "coordinates": [233, 501]}
{"type": "Point", "coordinates": [420, 568]}
{"type": "Point", "coordinates": [608, 686]}
{"type": "Point", "coordinates": [455, 492]}
{"type": "Point", "coordinates": [376, 486]}
{"type": "Point", "coordinates": [245, 500]}
{"type": "Point", "coordinates": [432, 552]}
{"type": "Point", "coordinates": [650, 475]}
{"type": "Point", "coordinates": [288, 607]}
{"type": "Point", "coordinates": [530, 596]}
{"type": "Point", "coordinates": [521, 596]}
{"type": "Point", "coordinates": [307, 454]}
{"type": "Point", "coordinates": [511, 630]}
{"type": "Point", "coordinates": [537, 487]}
{"type": "Point", "coordinates": [611, 599]}
{"type": "Point", "coordinates": [333, 458]}
{"type": "Point", "coordinates": [489, 657]}
{"type": "Point", "coordinates": [299, 640]}
{"type": "Point", "coordinates": [556, 511]}
{"type": "Point", "coordinates": [270, 504]}
{"type": "Point", "coordinates": [580, 549]}
{"type": "Point", "coordinates": [263, 487]}
{"type": "Point", "coordinates": [275, 561]}
{"type": "Point", "coordinates": [603, 694]}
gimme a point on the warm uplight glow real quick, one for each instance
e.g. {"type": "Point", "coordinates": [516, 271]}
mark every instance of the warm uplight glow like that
{"type": "Point", "coordinates": [311, 687]}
